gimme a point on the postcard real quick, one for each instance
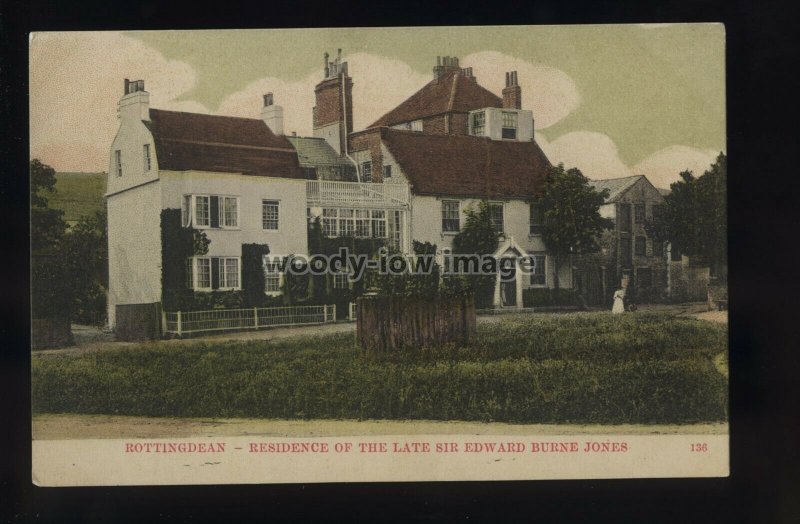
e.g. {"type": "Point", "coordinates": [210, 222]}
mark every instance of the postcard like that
{"type": "Point", "coordinates": [378, 254]}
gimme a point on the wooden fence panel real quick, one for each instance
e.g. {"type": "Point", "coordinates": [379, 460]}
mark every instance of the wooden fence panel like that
{"type": "Point", "coordinates": [390, 323]}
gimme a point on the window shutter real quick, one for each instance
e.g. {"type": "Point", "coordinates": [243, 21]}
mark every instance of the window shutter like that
{"type": "Point", "coordinates": [215, 273]}
{"type": "Point", "coordinates": [214, 211]}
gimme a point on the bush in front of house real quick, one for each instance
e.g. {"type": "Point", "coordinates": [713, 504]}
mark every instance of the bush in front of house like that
{"type": "Point", "coordinates": [621, 380]}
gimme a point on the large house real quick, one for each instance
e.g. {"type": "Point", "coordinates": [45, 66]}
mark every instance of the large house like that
{"type": "Point", "coordinates": [408, 177]}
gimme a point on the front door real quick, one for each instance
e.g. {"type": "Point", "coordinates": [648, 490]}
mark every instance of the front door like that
{"type": "Point", "coordinates": [508, 290]}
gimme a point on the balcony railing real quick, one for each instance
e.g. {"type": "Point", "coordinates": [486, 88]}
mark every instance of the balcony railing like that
{"type": "Point", "coordinates": [325, 192]}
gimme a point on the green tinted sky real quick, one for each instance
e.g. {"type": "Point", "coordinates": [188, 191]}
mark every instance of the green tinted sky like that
{"type": "Point", "coordinates": [646, 88]}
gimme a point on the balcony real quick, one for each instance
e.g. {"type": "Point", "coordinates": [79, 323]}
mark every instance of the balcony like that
{"type": "Point", "coordinates": [356, 194]}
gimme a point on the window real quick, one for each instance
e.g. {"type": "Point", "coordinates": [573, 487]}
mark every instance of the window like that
{"type": "Point", "coordinates": [206, 273]}
{"type": "Point", "coordinates": [451, 216]}
{"type": "Point", "coordinates": [362, 222]}
{"type": "Point", "coordinates": [387, 172]}
{"type": "Point", "coordinates": [329, 224]}
{"type": "Point", "coordinates": [347, 224]}
{"type": "Point", "coordinates": [118, 162]}
{"type": "Point", "coordinates": [366, 172]}
{"type": "Point", "coordinates": [203, 269]}
{"type": "Point", "coordinates": [378, 223]}
{"type": "Point", "coordinates": [210, 211]}
{"type": "Point", "coordinates": [496, 213]}
{"type": "Point", "coordinates": [272, 276]}
{"type": "Point", "coordinates": [416, 125]}
{"type": "Point", "coordinates": [147, 157]}
{"type": "Point", "coordinates": [189, 273]}
{"type": "Point", "coordinates": [229, 212]}
{"type": "Point", "coordinates": [394, 227]}
{"type": "Point", "coordinates": [539, 273]}
{"type": "Point", "coordinates": [624, 217]}
{"type": "Point", "coordinates": [509, 125]}
{"type": "Point", "coordinates": [341, 280]}
{"type": "Point", "coordinates": [202, 211]}
{"type": "Point", "coordinates": [228, 272]}
{"type": "Point", "coordinates": [658, 211]}
{"type": "Point", "coordinates": [186, 211]}
{"type": "Point", "coordinates": [536, 219]}
{"type": "Point", "coordinates": [269, 214]}
{"type": "Point", "coordinates": [638, 213]}
{"type": "Point", "coordinates": [641, 246]}
{"type": "Point", "coordinates": [478, 123]}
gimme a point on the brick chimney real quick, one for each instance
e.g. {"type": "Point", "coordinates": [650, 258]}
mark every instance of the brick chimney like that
{"type": "Point", "coordinates": [444, 65]}
{"type": "Point", "coordinates": [272, 115]}
{"type": "Point", "coordinates": [333, 112]}
{"type": "Point", "coordinates": [512, 93]}
{"type": "Point", "coordinates": [135, 102]}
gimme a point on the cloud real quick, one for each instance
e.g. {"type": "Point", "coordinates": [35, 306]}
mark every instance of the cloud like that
{"type": "Point", "coordinates": [379, 84]}
{"type": "Point", "coordinates": [596, 155]}
{"type": "Point", "coordinates": [548, 91]}
{"type": "Point", "coordinates": [75, 83]}
{"type": "Point", "coordinates": [663, 167]}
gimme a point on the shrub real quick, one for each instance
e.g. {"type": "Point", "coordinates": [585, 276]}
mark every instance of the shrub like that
{"type": "Point", "coordinates": [542, 297]}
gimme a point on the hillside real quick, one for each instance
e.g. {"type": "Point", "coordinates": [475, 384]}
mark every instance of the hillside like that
{"type": "Point", "coordinates": [78, 194]}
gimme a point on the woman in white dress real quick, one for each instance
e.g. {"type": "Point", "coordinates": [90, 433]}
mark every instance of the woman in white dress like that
{"type": "Point", "coordinates": [619, 301]}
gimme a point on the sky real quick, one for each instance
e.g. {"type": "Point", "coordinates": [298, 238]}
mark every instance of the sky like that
{"type": "Point", "coordinates": [611, 100]}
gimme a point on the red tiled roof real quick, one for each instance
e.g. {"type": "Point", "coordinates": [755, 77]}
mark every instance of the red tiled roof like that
{"type": "Point", "coordinates": [468, 166]}
{"type": "Point", "coordinates": [453, 92]}
{"type": "Point", "coordinates": [192, 141]}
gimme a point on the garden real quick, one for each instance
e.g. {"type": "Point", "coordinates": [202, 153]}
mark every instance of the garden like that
{"type": "Point", "coordinates": [647, 368]}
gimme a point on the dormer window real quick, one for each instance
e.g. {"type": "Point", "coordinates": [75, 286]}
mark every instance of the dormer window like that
{"type": "Point", "coordinates": [509, 125]}
{"type": "Point", "coordinates": [478, 123]}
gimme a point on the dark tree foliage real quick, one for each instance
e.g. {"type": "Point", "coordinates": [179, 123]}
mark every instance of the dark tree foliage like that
{"type": "Point", "coordinates": [178, 244]}
{"type": "Point", "coordinates": [572, 221]}
{"type": "Point", "coordinates": [86, 255]}
{"type": "Point", "coordinates": [253, 273]}
{"type": "Point", "coordinates": [478, 237]}
{"type": "Point", "coordinates": [694, 219]}
{"type": "Point", "coordinates": [51, 289]}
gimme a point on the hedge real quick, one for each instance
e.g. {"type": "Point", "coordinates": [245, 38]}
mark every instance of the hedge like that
{"type": "Point", "coordinates": [619, 381]}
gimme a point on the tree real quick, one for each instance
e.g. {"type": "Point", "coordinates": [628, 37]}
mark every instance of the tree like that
{"type": "Point", "coordinates": [47, 224]}
{"type": "Point", "coordinates": [86, 257]}
{"type": "Point", "coordinates": [478, 237]}
{"type": "Point", "coordinates": [572, 221]}
{"type": "Point", "coordinates": [50, 290]}
{"type": "Point", "coordinates": [694, 219]}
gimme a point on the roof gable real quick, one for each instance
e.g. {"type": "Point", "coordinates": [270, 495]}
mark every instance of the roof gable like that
{"type": "Point", "coordinates": [618, 187]}
{"type": "Point", "coordinates": [453, 92]}
{"type": "Point", "coordinates": [467, 166]}
{"type": "Point", "coordinates": [198, 142]}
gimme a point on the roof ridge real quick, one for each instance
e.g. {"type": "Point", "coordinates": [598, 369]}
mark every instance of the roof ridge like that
{"type": "Point", "coordinates": [207, 115]}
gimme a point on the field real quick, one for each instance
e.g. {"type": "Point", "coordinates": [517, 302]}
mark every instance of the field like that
{"type": "Point", "coordinates": [78, 194]}
{"type": "Point", "coordinates": [593, 368]}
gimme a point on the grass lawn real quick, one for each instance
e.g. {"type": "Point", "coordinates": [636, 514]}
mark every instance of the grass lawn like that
{"type": "Point", "coordinates": [579, 368]}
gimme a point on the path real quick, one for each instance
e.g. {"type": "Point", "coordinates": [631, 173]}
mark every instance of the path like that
{"type": "Point", "coordinates": [89, 339]}
{"type": "Point", "coordinates": [59, 427]}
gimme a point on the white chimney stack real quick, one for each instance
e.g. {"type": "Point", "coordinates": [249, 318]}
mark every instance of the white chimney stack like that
{"type": "Point", "coordinates": [135, 102]}
{"type": "Point", "coordinates": [272, 115]}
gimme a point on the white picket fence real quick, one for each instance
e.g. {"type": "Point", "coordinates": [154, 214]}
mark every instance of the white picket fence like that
{"type": "Point", "coordinates": [191, 322]}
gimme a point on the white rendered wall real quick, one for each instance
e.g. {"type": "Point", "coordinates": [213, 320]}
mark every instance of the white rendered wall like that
{"type": "Point", "coordinates": [291, 237]}
{"type": "Point", "coordinates": [134, 247]}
